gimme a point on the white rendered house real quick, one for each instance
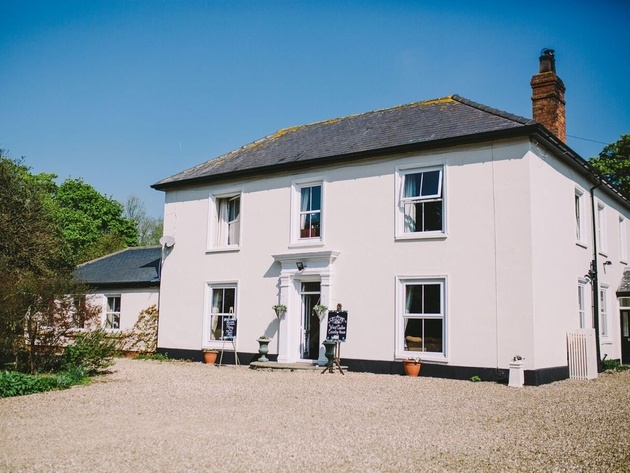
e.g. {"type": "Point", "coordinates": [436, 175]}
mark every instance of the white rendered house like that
{"type": "Point", "coordinates": [448, 230]}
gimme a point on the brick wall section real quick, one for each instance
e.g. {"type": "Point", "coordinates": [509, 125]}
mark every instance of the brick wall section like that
{"type": "Point", "coordinates": [548, 103]}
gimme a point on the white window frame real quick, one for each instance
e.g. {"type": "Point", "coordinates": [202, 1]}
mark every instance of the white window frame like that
{"type": "Point", "coordinates": [107, 312]}
{"type": "Point", "coordinates": [214, 226]}
{"type": "Point", "coordinates": [210, 312]}
{"type": "Point", "coordinates": [401, 283]}
{"type": "Point", "coordinates": [401, 172]}
{"type": "Point", "coordinates": [580, 216]}
{"type": "Point", "coordinates": [623, 240]}
{"type": "Point", "coordinates": [296, 239]}
{"type": "Point", "coordinates": [601, 229]}
{"type": "Point", "coordinates": [583, 305]}
{"type": "Point", "coordinates": [605, 326]}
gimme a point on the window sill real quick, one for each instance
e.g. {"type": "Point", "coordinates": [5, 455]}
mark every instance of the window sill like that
{"type": "Point", "coordinates": [603, 253]}
{"type": "Point", "coordinates": [623, 261]}
{"type": "Point", "coordinates": [223, 249]}
{"type": "Point", "coordinates": [581, 244]}
{"type": "Point", "coordinates": [424, 357]}
{"type": "Point", "coordinates": [218, 344]}
{"type": "Point", "coordinates": [422, 236]}
{"type": "Point", "coordinates": [307, 243]}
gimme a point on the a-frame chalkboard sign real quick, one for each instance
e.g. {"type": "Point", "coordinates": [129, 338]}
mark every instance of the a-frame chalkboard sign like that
{"type": "Point", "coordinates": [229, 335]}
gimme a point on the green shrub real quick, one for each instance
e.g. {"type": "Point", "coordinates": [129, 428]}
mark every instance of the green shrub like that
{"type": "Point", "coordinates": [14, 383]}
{"type": "Point", "coordinates": [93, 351]}
{"type": "Point", "coordinates": [615, 365]}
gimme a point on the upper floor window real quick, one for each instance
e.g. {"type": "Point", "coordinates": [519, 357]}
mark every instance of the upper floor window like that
{"type": "Point", "coordinates": [623, 240]}
{"type": "Point", "coordinates": [310, 211]}
{"type": "Point", "coordinates": [601, 228]}
{"type": "Point", "coordinates": [112, 316]}
{"type": "Point", "coordinates": [421, 202]}
{"type": "Point", "coordinates": [580, 230]}
{"type": "Point", "coordinates": [225, 220]}
{"type": "Point", "coordinates": [307, 212]}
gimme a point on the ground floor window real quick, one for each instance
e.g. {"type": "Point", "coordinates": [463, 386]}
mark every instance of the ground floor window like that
{"type": "Point", "coordinates": [421, 320]}
{"type": "Point", "coordinates": [223, 305]}
{"type": "Point", "coordinates": [112, 316]}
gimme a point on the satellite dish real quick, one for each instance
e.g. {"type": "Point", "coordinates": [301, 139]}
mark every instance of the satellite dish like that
{"type": "Point", "coordinates": [167, 241]}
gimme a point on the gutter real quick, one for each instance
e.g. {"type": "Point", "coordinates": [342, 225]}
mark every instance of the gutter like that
{"type": "Point", "coordinates": [594, 275]}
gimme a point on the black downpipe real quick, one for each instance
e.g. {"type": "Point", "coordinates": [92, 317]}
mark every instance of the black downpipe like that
{"type": "Point", "coordinates": [593, 274]}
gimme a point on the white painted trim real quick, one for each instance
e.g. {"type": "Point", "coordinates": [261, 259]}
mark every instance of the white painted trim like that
{"type": "Point", "coordinates": [399, 351]}
{"type": "Point", "coordinates": [294, 228]}
{"type": "Point", "coordinates": [213, 218]}
{"type": "Point", "coordinates": [399, 210]}
{"type": "Point", "coordinates": [206, 342]}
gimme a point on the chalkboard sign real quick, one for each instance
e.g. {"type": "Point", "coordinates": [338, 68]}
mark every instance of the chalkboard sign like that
{"type": "Point", "coordinates": [337, 325]}
{"type": "Point", "coordinates": [229, 328]}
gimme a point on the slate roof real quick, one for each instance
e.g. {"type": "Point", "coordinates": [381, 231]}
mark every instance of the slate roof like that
{"type": "Point", "coordinates": [624, 286]}
{"type": "Point", "coordinates": [131, 267]}
{"type": "Point", "coordinates": [371, 132]}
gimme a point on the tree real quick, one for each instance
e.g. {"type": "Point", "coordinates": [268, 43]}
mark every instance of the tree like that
{"type": "Point", "coordinates": [149, 229]}
{"type": "Point", "coordinates": [614, 164]}
{"type": "Point", "coordinates": [86, 216]}
{"type": "Point", "coordinates": [35, 264]}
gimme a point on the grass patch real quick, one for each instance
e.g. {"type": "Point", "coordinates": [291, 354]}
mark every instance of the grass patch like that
{"type": "Point", "coordinates": [152, 356]}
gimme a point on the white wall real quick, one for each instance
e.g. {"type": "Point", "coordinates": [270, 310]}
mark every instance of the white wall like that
{"type": "Point", "coordinates": [509, 257]}
{"type": "Point", "coordinates": [132, 302]}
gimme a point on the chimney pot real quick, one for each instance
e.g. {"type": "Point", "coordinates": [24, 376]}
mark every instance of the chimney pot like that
{"type": "Point", "coordinates": [548, 96]}
{"type": "Point", "coordinates": [547, 61]}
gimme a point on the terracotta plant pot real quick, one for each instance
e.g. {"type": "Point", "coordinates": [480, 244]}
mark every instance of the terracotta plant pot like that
{"type": "Point", "coordinates": [210, 357]}
{"type": "Point", "coordinates": [412, 367]}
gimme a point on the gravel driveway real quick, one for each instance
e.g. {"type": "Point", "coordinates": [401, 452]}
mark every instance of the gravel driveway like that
{"type": "Point", "coordinates": [149, 416]}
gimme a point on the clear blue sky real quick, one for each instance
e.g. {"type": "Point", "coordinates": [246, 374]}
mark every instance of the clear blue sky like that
{"type": "Point", "coordinates": [125, 93]}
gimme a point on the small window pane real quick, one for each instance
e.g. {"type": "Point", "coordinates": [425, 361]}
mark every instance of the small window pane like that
{"type": "Point", "coordinates": [413, 300]}
{"type": "Point", "coordinates": [432, 298]}
{"type": "Point", "coordinates": [432, 216]}
{"type": "Point", "coordinates": [431, 183]}
{"type": "Point", "coordinates": [316, 198]}
{"type": "Point", "coordinates": [433, 335]}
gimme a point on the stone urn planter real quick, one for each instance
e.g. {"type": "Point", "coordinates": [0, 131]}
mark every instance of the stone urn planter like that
{"type": "Point", "coordinates": [210, 356]}
{"type": "Point", "coordinates": [412, 366]}
{"type": "Point", "coordinates": [263, 348]}
{"type": "Point", "coordinates": [517, 375]}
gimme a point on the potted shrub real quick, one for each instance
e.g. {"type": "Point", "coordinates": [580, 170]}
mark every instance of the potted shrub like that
{"type": "Point", "coordinates": [412, 366]}
{"type": "Point", "coordinates": [210, 355]}
{"type": "Point", "coordinates": [280, 310]}
{"type": "Point", "coordinates": [263, 347]}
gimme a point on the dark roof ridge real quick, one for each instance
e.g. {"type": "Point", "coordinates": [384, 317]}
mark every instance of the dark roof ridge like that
{"type": "Point", "coordinates": [493, 111]}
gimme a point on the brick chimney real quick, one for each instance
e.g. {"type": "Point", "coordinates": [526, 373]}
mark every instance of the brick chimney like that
{"type": "Point", "coordinates": [548, 96]}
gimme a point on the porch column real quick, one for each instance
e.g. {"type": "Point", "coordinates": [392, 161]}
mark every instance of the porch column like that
{"type": "Point", "coordinates": [284, 322]}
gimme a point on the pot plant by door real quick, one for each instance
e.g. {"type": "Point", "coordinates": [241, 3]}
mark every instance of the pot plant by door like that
{"type": "Point", "coordinates": [210, 356]}
{"type": "Point", "coordinates": [263, 348]}
{"type": "Point", "coordinates": [412, 366]}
